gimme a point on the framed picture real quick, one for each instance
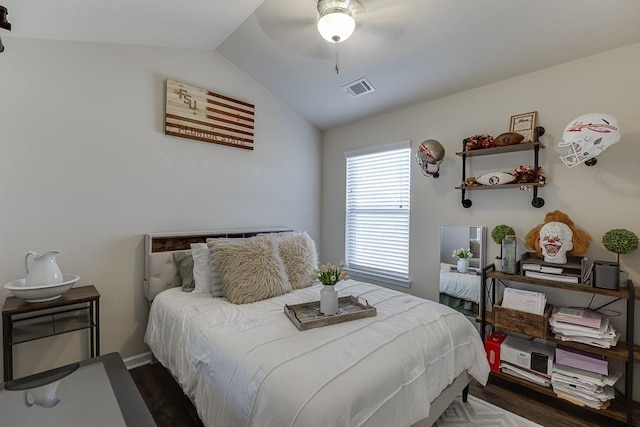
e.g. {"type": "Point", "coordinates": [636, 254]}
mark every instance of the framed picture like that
{"type": "Point", "coordinates": [524, 124]}
{"type": "Point", "coordinates": [199, 114]}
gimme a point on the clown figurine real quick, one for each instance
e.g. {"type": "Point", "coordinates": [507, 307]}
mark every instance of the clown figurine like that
{"type": "Point", "coordinates": [557, 238]}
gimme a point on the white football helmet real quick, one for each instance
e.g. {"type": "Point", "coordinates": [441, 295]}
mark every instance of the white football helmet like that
{"type": "Point", "coordinates": [587, 136]}
{"type": "Point", "coordinates": [429, 156]}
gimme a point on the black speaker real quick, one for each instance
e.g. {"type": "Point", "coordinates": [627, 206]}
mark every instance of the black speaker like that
{"type": "Point", "coordinates": [606, 275]}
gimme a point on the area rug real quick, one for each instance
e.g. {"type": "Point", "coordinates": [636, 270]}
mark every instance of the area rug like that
{"type": "Point", "coordinates": [476, 412]}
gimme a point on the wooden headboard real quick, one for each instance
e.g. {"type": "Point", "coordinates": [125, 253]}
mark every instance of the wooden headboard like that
{"type": "Point", "coordinates": [160, 272]}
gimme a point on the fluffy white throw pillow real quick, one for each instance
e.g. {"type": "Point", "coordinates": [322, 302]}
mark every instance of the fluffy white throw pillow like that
{"type": "Point", "coordinates": [299, 255]}
{"type": "Point", "coordinates": [251, 269]}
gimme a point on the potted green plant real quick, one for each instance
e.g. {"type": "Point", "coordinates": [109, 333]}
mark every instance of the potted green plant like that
{"type": "Point", "coordinates": [329, 275]}
{"type": "Point", "coordinates": [620, 241]}
{"type": "Point", "coordinates": [498, 234]}
{"type": "Point", "coordinates": [462, 256]}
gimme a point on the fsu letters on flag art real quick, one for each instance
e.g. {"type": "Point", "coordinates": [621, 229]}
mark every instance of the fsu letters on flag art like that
{"type": "Point", "coordinates": [202, 115]}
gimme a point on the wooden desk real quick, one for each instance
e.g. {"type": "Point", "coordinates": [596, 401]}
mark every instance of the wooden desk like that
{"type": "Point", "coordinates": [23, 321]}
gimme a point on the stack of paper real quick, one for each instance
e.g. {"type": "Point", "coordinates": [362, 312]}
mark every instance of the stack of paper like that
{"type": "Point", "coordinates": [584, 326]}
{"type": "Point", "coordinates": [577, 316]}
{"type": "Point", "coordinates": [584, 388]}
{"type": "Point", "coordinates": [542, 268]}
{"type": "Point", "coordinates": [580, 359]}
{"type": "Point", "coordinates": [531, 302]}
{"type": "Point", "coordinates": [525, 374]}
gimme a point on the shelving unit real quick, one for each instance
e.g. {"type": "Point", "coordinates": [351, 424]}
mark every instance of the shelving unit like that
{"type": "Point", "coordinates": [536, 201]}
{"type": "Point", "coordinates": [622, 408]}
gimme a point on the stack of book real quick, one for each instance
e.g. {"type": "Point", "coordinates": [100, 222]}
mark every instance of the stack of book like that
{"type": "Point", "coordinates": [557, 274]}
{"type": "Point", "coordinates": [583, 378]}
{"type": "Point", "coordinates": [583, 326]}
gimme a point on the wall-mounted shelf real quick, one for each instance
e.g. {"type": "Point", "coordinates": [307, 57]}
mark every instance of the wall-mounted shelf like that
{"type": "Point", "coordinates": [498, 187]}
{"type": "Point", "coordinates": [536, 202]}
{"type": "Point", "coordinates": [523, 146]}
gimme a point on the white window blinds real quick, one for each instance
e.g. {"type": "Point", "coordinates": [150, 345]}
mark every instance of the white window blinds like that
{"type": "Point", "coordinates": [377, 211]}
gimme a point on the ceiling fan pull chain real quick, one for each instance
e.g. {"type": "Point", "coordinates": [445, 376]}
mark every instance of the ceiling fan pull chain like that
{"type": "Point", "coordinates": [337, 58]}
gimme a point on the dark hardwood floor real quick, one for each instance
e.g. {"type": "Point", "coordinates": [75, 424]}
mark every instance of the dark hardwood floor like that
{"type": "Point", "coordinates": [171, 408]}
{"type": "Point", "coordinates": [164, 397]}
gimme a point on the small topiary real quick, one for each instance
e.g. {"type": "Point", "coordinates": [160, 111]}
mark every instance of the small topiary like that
{"type": "Point", "coordinates": [620, 241]}
{"type": "Point", "coordinates": [500, 231]}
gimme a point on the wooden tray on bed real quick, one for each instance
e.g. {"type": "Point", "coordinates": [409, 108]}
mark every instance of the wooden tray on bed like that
{"type": "Point", "coordinates": [307, 315]}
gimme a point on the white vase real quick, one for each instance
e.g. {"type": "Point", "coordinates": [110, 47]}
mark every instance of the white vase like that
{"type": "Point", "coordinates": [328, 300]}
{"type": "Point", "coordinates": [463, 265]}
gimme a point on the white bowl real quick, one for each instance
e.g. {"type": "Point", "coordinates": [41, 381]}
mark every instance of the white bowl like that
{"type": "Point", "coordinates": [41, 293]}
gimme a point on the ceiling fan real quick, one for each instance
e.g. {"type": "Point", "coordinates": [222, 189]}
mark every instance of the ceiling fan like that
{"type": "Point", "coordinates": [304, 26]}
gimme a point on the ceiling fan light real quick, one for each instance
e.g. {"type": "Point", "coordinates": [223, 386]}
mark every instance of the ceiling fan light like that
{"type": "Point", "coordinates": [336, 26]}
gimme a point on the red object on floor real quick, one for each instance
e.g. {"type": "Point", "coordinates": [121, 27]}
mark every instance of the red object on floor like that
{"type": "Point", "coordinates": [492, 346]}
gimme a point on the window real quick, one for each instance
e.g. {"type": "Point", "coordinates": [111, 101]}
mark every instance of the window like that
{"type": "Point", "coordinates": [377, 213]}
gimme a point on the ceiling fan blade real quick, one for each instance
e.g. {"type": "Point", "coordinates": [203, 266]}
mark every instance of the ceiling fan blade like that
{"type": "Point", "coordinates": [294, 30]}
{"type": "Point", "coordinates": [387, 20]}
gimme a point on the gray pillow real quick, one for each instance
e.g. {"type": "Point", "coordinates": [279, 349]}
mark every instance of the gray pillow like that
{"type": "Point", "coordinates": [251, 269]}
{"type": "Point", "coordinates": [184, 265]}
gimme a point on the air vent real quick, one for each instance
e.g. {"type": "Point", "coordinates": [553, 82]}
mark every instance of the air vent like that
{"type": "Point", "coordinates": [358, 88]}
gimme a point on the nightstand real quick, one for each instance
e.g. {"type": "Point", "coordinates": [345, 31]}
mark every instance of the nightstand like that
{"type": "Point", "coordinates": [23, 321]}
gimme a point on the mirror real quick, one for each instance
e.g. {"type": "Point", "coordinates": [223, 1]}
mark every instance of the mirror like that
{"type": "Point", "coordinates": [461, 291]}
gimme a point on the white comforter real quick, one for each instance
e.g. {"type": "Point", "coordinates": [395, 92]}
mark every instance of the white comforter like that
{"type": "Point", "coordinates": [248, 365]}
{"type": "Point", "coordinates": [461, 285]}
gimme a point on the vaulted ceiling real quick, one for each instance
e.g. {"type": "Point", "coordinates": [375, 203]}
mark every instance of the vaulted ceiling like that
{"type": "Point", "coordinates": [410, 50]}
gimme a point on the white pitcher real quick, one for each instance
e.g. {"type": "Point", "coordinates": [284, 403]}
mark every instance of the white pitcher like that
{"type": "Point", "coordinates": [44, 269]}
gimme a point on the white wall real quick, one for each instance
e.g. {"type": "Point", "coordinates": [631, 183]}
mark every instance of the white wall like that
{"type": "Point", "coordinates": [597, 198]}
{"type": "Point", "coordinates": [86, 168]}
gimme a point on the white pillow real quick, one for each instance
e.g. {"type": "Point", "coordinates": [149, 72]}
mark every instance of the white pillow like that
{"type": "Point", "coordinates": [217, 288]}
{"type": "Point", "coordinates": [201, 268]}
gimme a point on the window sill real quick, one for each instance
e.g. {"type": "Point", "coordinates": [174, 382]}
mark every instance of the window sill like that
{"type": "Point", "coordinates": [378, 278]}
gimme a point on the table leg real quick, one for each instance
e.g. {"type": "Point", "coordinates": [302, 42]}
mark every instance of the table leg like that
{"type": "Point", "coordinates": [97, 302]}
{"type": "Point", "coordinates": [7, 348]}
{"type": "Point", "coordinates": [92, 344]}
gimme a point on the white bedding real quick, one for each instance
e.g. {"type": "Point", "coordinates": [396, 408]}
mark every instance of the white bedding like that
{"type": "Point", "coordinates": [460, 285]}
{"type": "Point", "coordinates": [248, 365]}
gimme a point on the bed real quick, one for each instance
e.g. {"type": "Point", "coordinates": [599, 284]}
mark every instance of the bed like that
{"type": "Point", "coordinates": [248, 365]}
